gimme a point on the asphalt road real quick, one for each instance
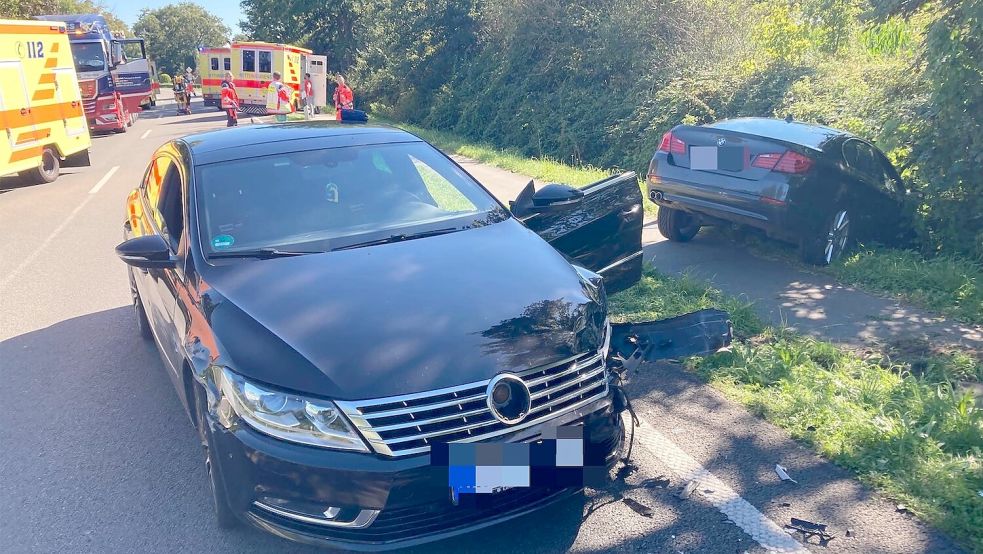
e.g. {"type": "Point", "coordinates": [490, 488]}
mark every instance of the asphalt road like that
{"type": "Point", "coordinates": [96, 454]}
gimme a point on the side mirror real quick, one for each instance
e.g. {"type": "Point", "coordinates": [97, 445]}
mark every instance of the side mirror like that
{"type": "Point", "coordinates": [146, 252]}
{"type": "Point", "coordinates": [116, 54]}
{"type": "Point", "coordinates": [554, 195]}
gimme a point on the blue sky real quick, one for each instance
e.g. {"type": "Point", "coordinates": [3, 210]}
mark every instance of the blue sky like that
{"type": "Point", "coordinates": [228, 10]}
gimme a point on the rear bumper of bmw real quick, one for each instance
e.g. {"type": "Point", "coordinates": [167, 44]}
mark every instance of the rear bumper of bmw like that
{"type": "Point", "coordinates": [372, 502]}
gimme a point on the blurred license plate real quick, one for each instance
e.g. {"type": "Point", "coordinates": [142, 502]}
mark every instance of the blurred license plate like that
{"type": "Point", "coordinates": [728, 158]}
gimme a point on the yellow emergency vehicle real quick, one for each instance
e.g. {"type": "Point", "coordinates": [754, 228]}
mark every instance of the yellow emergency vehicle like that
{"type": "Point", "coordinates": [252, 64]}
{"type": "Point", "coordinates": [40, 103]}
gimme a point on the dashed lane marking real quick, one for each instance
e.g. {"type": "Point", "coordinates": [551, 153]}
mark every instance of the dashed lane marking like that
{"type": "Point", "coordinates": [763, 530]}
{"type": "Point", "coordinates": [61, 227]}
{"type": "Point", "coordinates": [105, 178]}
{"type": "Point", "coordinates": [145, 133]}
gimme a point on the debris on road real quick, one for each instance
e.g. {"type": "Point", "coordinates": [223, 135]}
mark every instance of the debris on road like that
{"type": "Point", "coordinates": [902, 509]}
{"type": "Point", "coordinates": [783, 474]}
{"type": "Point", "coordinates": [809, 530]}
{"type": "Point", "coordinates": [688, 490]}
{"type": "Point", "coordinates": [659, 482]}
{"type": "Point", "coordinates": [850, 533]}
{"type": "Point", "coordinates": [638, 507]}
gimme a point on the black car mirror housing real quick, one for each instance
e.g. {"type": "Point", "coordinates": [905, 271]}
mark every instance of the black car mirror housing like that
{"type": "Point", "coordinates": [555, 195]}
{"type": "Point", "coordinates": [146, 252]}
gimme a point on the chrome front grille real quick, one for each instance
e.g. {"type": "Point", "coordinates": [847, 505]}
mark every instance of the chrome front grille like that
{"type": "Point", "coordinates": [409, 424]}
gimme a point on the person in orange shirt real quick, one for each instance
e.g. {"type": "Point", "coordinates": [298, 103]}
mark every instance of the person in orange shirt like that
{"type": "Point", "coordinates": [230, 100]}
{"type": "Point", "coordinates": [344, 98]}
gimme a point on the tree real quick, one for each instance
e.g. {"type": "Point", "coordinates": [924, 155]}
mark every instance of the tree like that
{"type": "Point", "coordinates": [25, 9]}
{"type": "Point", "coordinates": [324, 27]}
{"type": "Point", "coordinates": [176, 31]}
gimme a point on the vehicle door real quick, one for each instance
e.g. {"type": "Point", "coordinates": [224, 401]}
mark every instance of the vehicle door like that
{"type": "Point", "coordinates": [251, 87]}
{"type": "Point", "coordinates": [164, 215]}
{"type": "Point", "coordinates": [869, 205]}
{"type": "Point", "coordinates": [21, 136]}
{"type": "Point", "coordinates": [598, 227]}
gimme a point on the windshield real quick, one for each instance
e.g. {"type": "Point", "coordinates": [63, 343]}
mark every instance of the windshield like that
{"type": "Point", "coordinates": [89, 56]}
{"type": "Point", "coordinates": [336, 198]}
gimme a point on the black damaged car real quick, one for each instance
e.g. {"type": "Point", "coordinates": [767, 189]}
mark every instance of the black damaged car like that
{"type": "Point", "coordinates": [337, 303]}
{"type": "Point", "coordinates": [810, 185]}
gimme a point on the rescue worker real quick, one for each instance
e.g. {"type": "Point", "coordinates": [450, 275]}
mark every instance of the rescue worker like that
{"type": "Point", "coordinates": [344, 98]}
{"type": "Point", "coordinates": [189, 79]}
{"type": "Point", "coordinates": [278, 99]}
{"type": "Point", "coordinates": [230, 100]}
{"type": "Point", "coordinates": [307, 96]}
{"type": "Point", "coordinates": [181, 96]}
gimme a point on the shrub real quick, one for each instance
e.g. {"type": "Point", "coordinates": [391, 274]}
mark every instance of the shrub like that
{"type": "Point", "coordinates": [165, 79]}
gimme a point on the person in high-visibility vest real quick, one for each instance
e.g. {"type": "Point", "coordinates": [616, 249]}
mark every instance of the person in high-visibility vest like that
{"type": "Point", "coordinates": [278, 99]}
{"type": "Point", "coordinates": [344, 98]}
{"type": "Point", "coordinates": [230, 100]}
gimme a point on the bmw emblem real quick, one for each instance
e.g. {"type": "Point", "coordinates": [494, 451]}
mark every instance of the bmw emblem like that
{"type": "Point", "coordinates": [508, 398]}
{"type": "Point", "coordinates": [721, 141]}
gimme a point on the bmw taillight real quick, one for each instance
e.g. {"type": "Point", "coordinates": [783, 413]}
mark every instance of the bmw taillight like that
{"type": "Point", "coordinates": [789, 162]}
{"type": "Point", "coordinates": [672, 144]}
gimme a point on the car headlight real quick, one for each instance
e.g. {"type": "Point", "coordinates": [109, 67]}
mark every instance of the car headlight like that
{"type": "Point", "coordinates": [285, 416]}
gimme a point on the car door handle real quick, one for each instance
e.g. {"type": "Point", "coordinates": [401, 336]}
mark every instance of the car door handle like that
{"type": "Point", "coordinates": [629, 213]}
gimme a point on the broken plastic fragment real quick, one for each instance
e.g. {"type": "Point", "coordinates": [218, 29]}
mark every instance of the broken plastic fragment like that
{"type": "Point", "coordinates": [640, 509]}
{"type": "Point", "coordinates": [783, 474]}
{"type": "Point", "coordinates": [688, 490]}
{"type": "Point", "coordinates": [659, 482]}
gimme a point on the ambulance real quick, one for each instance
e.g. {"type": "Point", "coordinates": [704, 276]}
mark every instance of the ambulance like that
{"type": "Point", "coordinates": [252, 64]}
{"type": "Point", "coordinates": [212, 65]}
{"type": "Point", "coordinates": [40, 104]}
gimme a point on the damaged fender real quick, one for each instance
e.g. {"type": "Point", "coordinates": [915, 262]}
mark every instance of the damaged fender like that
{"type": "Point", "coordinates": [695, 334]}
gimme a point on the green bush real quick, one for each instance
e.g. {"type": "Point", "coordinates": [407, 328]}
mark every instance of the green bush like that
{"type": "Point", "coordinates": [165, 79]}
{"type": "Point", "coordinates": [576, 82]}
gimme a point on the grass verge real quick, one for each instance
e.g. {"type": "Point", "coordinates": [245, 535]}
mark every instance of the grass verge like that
{"type": "Point", "coordinates": [543, 169]}
{"type": "Point", "coordinates": [912, 434]}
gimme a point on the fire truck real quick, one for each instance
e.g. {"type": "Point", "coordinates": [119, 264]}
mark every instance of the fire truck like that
{"type": "Point", "coordinates": [114, 73]}
{"type": "Point", "coordinates": [252, 64]}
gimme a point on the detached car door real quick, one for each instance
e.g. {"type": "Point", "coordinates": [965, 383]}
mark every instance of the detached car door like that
{"type": "Point", "coordinates": [598, 227]}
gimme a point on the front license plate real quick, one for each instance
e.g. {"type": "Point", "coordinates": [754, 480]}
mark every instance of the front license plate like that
{"type": "Point", "coordinates": [492, 467]}
{"type": "Point", "coordinates": [712, 158]}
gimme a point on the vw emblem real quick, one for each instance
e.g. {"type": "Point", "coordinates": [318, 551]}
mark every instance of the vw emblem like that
{"type": "Point", "coordinates": [721, 141]}
{"type": "Point", "coordinates": [508, 398]}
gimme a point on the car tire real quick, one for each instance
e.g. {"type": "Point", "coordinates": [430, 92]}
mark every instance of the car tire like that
{"type": "Point", "coordinates": [677, 225]}
{"type": "Point", "coordinates": [49, 166]}
{"type": "Point", "coordinates": [224, 515]}
{"type": "Point", "coordinates": [829, 244]}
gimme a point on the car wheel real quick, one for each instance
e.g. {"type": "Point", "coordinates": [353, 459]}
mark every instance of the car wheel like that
{"type": "Point", "coordinates": [831, 244]}
{"type": "Point", "coordinates": [224, 515]}
{"type": "Point", "coordinates": [48, 167]}
{"type": "Point", "coordinates": [677, 225]}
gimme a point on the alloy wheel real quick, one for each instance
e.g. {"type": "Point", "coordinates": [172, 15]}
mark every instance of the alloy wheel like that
{"type": "Point", "coordinates": [839, 235]}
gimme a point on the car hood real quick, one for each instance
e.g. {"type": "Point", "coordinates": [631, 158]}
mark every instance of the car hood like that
{"type": "Point", "coordinates": [404, 317]}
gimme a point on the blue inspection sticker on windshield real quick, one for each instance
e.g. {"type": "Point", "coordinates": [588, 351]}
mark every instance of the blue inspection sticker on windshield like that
{"type": "Point", "coordinates": [221, 242]}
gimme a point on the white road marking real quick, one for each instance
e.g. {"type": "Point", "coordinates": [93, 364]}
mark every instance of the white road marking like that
{"type": "Point", "coordinates": [763, 530]}
{"type": "Point", "coordinates": [105, 178]}
{"type": "Point", "coordinates": [145, 133]}
{"type": "Point", "coordinates": [37, 251]}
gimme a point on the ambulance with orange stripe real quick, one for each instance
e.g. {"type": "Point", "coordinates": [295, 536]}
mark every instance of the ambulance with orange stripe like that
{"type": "Point", "coordinates": [40, 105]}
{"type": "Point", "coordinates": [252, 64]}
{"type": "Point", "coordinates": [114, 73]}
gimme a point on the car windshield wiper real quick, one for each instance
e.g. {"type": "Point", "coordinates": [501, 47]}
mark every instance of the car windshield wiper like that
{"type": "Point", "coordinates": [399, 237]}
{"type": "Point", "coordinates": [263, 253]}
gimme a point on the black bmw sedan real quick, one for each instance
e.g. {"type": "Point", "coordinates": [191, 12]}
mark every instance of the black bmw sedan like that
{"type": "Point", "coordinates": [814, 186]}
{"type": "Point", "coordinates": [335, 304]}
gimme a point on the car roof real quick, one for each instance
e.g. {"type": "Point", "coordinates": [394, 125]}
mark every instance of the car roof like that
{"type": "Point", "coordinates": [259, 140]}
{"type": "Point", "coordinates": [804, 134]}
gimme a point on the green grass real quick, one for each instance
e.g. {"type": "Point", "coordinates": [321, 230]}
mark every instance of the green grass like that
{"type": "Point", "coordinates": [910, 432]}
{"type": "Point", "coordinates": [543, 169]}
{"type": "Point", "coordinates": [950, 285]}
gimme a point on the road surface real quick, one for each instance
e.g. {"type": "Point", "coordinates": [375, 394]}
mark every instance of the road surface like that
{"type": "Point", "coordinates": [96, 454]}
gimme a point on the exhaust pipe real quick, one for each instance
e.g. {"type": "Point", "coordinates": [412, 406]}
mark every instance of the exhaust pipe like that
{"type": "Point", "coordinates": [656, 195]}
